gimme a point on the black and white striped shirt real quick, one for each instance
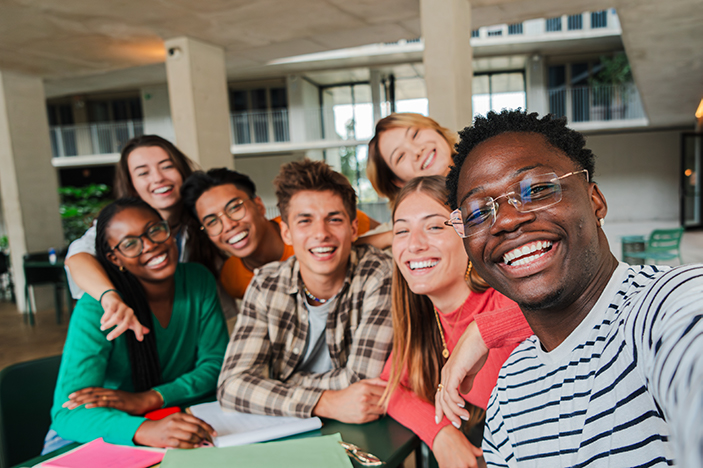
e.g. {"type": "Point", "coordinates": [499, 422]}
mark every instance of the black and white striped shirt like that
{"type": "Point", "coordinates": [613, 392]}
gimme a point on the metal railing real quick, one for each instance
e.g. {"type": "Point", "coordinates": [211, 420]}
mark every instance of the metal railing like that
{"type": "Point", "coordinates": [88, 139]}
{"type": "Point", "coordinates": [259, 126]}
{"type": "Point", "coordinates": [596, 103]}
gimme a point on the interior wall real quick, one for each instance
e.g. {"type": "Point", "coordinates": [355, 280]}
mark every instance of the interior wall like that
{"type": "Point", "coordinates": [262, 171]}
{"type": "Point", "coordinates": [638, 172]}
{"type": "Point", "coordinates": [156, 110]}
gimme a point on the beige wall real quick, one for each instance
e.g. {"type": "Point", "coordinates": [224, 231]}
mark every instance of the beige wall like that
{"type": "Point", "coordinates": [639, 174]}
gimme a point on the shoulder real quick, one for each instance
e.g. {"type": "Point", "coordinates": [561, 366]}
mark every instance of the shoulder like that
{"type": "Point", "coordinates": [370, 260]}
{"type": "Point", "coordinates": [656, 286]}
{"type": "Point", "coordinates": [275, 275]}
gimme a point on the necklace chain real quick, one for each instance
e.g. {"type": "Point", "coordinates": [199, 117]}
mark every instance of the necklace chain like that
{"type": "Point", "coordinates": [445, 350]}
{"type": "Point", "coordinates": [316, 299]}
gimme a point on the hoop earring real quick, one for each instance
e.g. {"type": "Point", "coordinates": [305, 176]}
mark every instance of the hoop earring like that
{"type": "Point", "coordinates": [467, 275]}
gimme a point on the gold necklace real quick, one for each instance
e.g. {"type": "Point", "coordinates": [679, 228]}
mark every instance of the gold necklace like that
{"type": "Point", "coordinates": [445, 351]}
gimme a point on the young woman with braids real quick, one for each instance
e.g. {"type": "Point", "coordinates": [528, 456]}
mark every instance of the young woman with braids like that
{"type": "Point", "coordinates": [104, 387]}
{"type": "Point", "coordinates": [152, 169]}
{"type": "Point", "coordinates": [436, 296]}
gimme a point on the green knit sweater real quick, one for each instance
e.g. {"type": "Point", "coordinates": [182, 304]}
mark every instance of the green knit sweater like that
{"type": "Point", "coordinates": [190, 350]}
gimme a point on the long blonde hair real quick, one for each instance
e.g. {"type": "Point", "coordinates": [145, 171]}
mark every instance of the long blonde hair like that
{"type": "Point", "coordinates": [381, 176]}
{"type": "Point", "coordinates": [417, 345]}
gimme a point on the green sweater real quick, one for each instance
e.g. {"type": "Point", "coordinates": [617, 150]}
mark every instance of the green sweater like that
{"type": "Point", "coordinates": [190, 350]}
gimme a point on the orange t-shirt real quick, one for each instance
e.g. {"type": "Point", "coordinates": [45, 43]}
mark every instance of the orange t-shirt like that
{"type": "Point", "coordinates": [235, 277]}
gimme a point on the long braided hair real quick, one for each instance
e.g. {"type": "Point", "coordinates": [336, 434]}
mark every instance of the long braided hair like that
{"type": "Point", "coordinates": [143, 356]}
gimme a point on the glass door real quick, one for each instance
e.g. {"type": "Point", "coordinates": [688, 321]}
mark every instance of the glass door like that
{"type": "Point", "coordinates": [691, 194]}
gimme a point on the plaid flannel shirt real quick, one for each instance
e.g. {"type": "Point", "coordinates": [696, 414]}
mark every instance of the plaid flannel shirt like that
{"type": "Point", "coordinates": [268, 341]}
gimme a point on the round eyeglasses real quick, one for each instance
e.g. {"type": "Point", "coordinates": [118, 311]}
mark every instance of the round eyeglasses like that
{"type": "Point", "coordinates": [133, 246]}
{"type": "Point", "coordinates": [533, 193]}
{"type": "Point", "coordinates": [234, 210]}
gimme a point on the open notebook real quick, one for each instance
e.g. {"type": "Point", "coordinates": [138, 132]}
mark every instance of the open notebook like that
{"type": "Point", "coordinates": [241, 428]}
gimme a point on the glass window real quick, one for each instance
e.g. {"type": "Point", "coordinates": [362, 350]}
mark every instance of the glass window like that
{"type": "Point", "coordinates": [575, 22]}
{"type": "Point", "coordinates": [599, 19]}
{"type": "Point", "coordinates": [498, 91]}
{"type": "Point", "coordinates": [515, 29]}
{"type": "Point", "coordinates": [553, 24]}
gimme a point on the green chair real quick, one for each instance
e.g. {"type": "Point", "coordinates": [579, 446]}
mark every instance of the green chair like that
{"type": "Point", "coordinates": [26, 396]}
{"type": "Point", "coordinates": [662, 245]}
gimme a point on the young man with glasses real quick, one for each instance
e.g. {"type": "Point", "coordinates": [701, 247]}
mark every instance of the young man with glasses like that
{"type": "Point", "coordinates": [234, 218]}
{"type": "Point", "coordinates": [612, 375]}
{"type": "Point", "coordinates": [314, 331]}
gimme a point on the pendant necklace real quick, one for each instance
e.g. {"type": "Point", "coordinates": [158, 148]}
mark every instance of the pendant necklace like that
{"type": "Point", "coordinates": [316, 299]}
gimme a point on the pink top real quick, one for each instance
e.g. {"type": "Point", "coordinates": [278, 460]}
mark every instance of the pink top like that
{"type": "Point", "coordinates": [502, 327]}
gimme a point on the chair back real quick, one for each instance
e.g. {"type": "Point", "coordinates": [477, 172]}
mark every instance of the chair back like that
{"type": "Point", "coordinates": [665, 240]}
{"type": "Point", "coordinates": [26, 397]}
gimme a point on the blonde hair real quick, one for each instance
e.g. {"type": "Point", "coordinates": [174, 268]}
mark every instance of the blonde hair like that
{"type": "Point", "coordinates": [417, 345]}
{"type": "Point", "coordinates": [383, 179]}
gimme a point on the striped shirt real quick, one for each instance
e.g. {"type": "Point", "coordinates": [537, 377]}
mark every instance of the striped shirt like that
{"type": "Point", "coordinates": [261, 373]}
{"type": "Point", "coordinates": [613, 393]}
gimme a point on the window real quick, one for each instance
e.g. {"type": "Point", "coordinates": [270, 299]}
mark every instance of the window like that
{"type": "Point", "coordinates": [599, 19]}
{"type": "Point", "coordinates": [498, 91]}
{"type": "Point", "coordinates": [515, 29]}
{"type": "Point", "coordinates": [474, 33]}
{"type": "Point", "coordinates": [574, 22]}
{"type": "Point", "coordinates": [495, 32]}
{"type": "Point", "coordinates": [259, 115]}
{"type": "Point", "coordinates": [553, 24]}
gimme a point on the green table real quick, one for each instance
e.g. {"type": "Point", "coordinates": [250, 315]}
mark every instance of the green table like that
{"type": "Point", "coordinates": [385, 438]}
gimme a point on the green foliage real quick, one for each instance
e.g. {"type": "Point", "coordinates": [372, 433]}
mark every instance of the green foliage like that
{"type": "Point", "coordinates": [4, 243]}
{"type": "Point", "coordinates": [615, 70]}
{"type": "Point", "coordinates": [79, 206]}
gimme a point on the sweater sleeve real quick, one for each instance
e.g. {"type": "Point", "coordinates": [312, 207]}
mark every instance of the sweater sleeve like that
{"type": "Point", "coordinates": [84, 363]}
{"type": "Point", "coordinates": [504, 325]}
{"type": "Point", "coordinates": [412, 411]}
{"type": "Point", "coordinates": [209, 324]}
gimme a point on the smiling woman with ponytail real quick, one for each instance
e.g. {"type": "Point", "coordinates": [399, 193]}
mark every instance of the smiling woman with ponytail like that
{"type": "Point", "coordinates": [105, 387]}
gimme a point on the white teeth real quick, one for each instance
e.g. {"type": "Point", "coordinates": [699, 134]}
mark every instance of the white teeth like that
{"type": "Point", "coordinates": [238, 237]}
{"type": "Point", "coordinates": [423, 264]}
{"type": "Point", "coordinates": [322, 250]}
{"type": "Point", "coordinates": [157, 260]}
{"type": "Point", "coordinates": [429, 159]}
{"type": "Point", "coordinates": [523, 253]}
{"type": "Point", "coordinates": [161, 190]}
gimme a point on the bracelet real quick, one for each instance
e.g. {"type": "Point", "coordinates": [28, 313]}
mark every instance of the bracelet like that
{"type": "Point", "coordinates": [105, 292]}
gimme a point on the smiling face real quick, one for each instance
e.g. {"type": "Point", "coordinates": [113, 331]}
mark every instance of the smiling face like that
{"type": "Point", "coordinates": [155, 178]}
{"type": "Point", "coordinates": [239, 238]}
{"type": "Point", "coordinates": [541, 259]}
{"type": "Point", "coordinates": [412, 152]}
{"type": "Point", "coordinates": [428, 253]}
{"type": "Point", "coordinates": [321, 233]}
{"type": "Point", "coordinates": [157, 262]}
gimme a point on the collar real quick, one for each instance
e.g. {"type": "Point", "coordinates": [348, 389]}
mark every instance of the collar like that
{"type": "Point", "coordinates": [296, 281]}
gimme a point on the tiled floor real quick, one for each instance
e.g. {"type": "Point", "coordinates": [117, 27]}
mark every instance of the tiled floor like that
{"type": "Point", "coordinates": [22, 342]}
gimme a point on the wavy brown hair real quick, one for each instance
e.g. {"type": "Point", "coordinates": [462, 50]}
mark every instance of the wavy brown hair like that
{"type": "Point", "coordinates": [417, 344]}
{"type": "Point", "coordinates": [383, 179]}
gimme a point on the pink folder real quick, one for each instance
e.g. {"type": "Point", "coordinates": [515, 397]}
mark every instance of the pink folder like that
{"type": "Point", "coordinates": [100, 453]}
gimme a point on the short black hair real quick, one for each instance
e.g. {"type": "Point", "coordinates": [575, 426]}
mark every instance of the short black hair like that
{"type": "Point", "coordinates": [199, 182]}
{"type": "Point", "coordinates": [553, 128]}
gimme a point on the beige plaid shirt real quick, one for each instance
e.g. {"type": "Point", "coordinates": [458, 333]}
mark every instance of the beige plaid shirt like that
{"type": "Point", "coordinates": [268, 342]}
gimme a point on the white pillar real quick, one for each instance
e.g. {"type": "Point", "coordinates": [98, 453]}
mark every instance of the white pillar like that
{"type": "Point", "coordinates": [197, 88]}
{"type": "Point", "coordinates": [375, 83]}
{"type": "Point", "coordinates": [536, 95]}
{"type": "Point", "coordinates": [28, 182]}
{"type": "Point", "coordinates": [156, 111]}
{"type": "Point", "coordinates": [446, 30]}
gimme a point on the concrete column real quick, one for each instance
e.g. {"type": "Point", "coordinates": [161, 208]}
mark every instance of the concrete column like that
{"type": "Point", "coordinates": [157, 112]}
{"type": "Point", "coordinates": [375, 83]}
{"type": "Point", "coordinates": [197, 88]}
{"type": "Point", "coordinates": [446, 29]}
{"type": "Point", "coordinates": [536, 78]}
{"type": "Point", "coordinates": [28, 182]}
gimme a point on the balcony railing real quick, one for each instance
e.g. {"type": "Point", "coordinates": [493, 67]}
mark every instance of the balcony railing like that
{"type": "Point", "coordinates": [89, 139]}
{"type": "Point", "coordinates": [596, 103]}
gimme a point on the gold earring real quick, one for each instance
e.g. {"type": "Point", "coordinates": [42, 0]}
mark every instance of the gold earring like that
{"type": "Point", "coordinates": [121, 269]}
{"type": "Point", "coordinates": [468, 271]}
{"type": "Point", "coordinates": [601, 221]}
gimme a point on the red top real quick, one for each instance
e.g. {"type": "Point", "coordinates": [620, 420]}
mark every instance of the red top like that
{"type": "Point", "coordinates": [502, 327]}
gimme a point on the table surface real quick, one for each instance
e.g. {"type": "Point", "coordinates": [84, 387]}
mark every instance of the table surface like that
{"type": "Point", "coordinates": [385, 438]}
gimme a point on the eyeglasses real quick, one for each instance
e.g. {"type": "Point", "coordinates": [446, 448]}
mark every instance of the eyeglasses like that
{"type": "Point", "coordinates": [133, 246]}
{"type": "Point", "coordinates": [533, 193]}
{"type": "Point", "coordinates": [234, 210]}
